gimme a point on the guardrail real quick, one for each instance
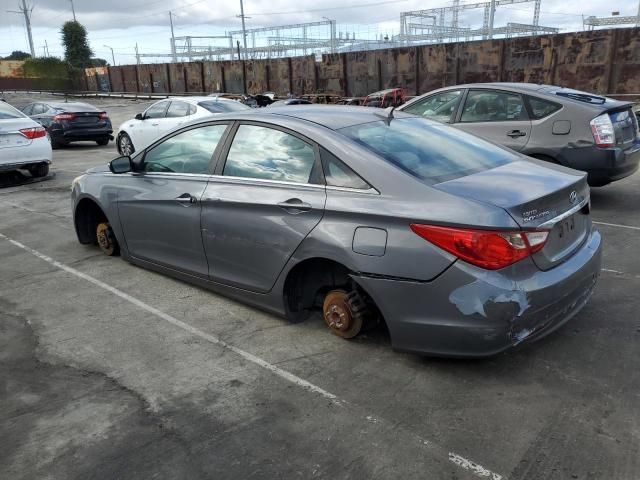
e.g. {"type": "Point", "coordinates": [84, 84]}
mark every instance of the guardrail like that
{"type": "Point", "coordinates": [106, 94]}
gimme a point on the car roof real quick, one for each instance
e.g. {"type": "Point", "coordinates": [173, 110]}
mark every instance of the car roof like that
{"type": "Point", "coordinates": [72, 106]}
{"type": "Point", "coordinates": [545, 90]}
{"type": "Point", "coordinates": [201, 99]}
{"type": "Point", "coordinates": [333, 117]}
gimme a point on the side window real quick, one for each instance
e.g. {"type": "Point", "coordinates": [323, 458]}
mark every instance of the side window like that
{"type": "Point", "coordinates": [492, 106]}
{"type": "Point", "coordinates": [261, 152]}
{"type": "Point", "coordinates": [438, 107]}
{"type": "Point", "coordinates": [27, 110]}
{"type": "Point", "coordinates": [337, 174]}
{"type": "Point", "coordinates": [539, 108]}
{"type": "Point", "coordinates": [38, 108]}
{"type": "Point", "coordinates": [186, 152]}
{"type": "Point", "coordinates": [156, 111]}
{"type": "Point", "coordinates": [178, 109]}
{"type": "Point", "coordinates": [192, 109]}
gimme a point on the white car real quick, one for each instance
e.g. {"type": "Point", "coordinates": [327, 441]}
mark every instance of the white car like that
{"type": "Point", "coordinates": [166, 115]}
{"type": "Point", "coordinates": [23, 143]}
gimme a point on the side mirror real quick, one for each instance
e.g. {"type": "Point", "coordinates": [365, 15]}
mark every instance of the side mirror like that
{"type": "Point", "coordinates": [121, 165]}
{"type": "Point", "coordinates": [139, 116]}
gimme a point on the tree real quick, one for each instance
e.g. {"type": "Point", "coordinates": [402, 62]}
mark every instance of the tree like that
{"type": "Point", "coordinates": [98, 62]}
{"type": "Point", "coordinates": [76, 46]}
{"type": "Point", "coordinates": [17, 55]}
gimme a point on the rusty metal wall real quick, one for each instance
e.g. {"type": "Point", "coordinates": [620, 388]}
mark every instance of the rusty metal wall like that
{"type": "Point", "coordinates": [11, 69]}
{"type": "Point", "coordinates": [331, 77]}
{"type": "Point", "coordinates": [185, 77]}
{"type": "Point", "coordinates": [601, 61]}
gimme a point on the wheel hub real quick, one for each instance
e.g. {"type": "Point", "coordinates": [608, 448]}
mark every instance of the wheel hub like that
{"type": "Point", "coordinates": [339, 316]}
{"type": "Point", "coordinates": [105, 238]}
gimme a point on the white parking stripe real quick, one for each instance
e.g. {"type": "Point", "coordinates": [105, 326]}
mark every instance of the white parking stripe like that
{"type": "Point", "coordinates": [458, 460]}
{"type": "Point", "coordinates": [630, 227]}
{"type": "Point", "coordinates": [479, 470]}
{"type": "Point", "coordinates": [178, 323]}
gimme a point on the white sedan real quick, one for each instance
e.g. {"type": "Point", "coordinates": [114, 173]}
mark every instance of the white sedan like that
{"type": "Point", "coordinates": [23, 143]}
{"type": "Point", "coordinates": [166, 115]}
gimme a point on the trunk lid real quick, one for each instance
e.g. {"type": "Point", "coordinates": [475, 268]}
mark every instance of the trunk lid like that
{"type": "Point", "coordinates": [537, 197]}
{"type": "Point", "coordinates": [9, 136]}
{"type": "Point", "coordinates": [625, 125]}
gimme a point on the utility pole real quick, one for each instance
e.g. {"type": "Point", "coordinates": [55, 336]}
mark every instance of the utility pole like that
{"type": "Point", "coordinates": [492, 14]}
{"type": "Point", "coordinates": [173, 40]}
{"type": "Point", "coordinates": [244, 31]}
{"type": "Point", "coordinates": [113, 57]}
{"type": "Point", "coordinates": [137, 55]}
{"type": "Point", "coordinates": [23, 10]}
{"type": "Point", "coordinates": [73, 10]}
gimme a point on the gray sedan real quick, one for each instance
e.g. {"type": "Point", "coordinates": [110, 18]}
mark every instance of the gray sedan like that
{"type": "Point", "coordinates": [596, 134]}
{"type": "Point", "coordinates": [461, 247]}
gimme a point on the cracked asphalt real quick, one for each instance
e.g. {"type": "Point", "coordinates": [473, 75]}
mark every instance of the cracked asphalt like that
{"type": "Point", "coordinates": [94, 386]}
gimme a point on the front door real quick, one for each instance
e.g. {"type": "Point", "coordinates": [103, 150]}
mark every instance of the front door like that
{"type": "Point", "coordinates": [159, 206]}
{"type": "Point", "coordinates": [264, 202]}
{"type": "Point", "coordinates": [497, 116]}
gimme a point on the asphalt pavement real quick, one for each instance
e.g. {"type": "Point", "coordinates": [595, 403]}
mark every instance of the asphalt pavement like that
{"type": "Point", "coordinates": [110, 371]}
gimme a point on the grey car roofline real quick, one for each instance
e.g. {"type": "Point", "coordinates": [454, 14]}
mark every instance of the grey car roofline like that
{"type": "Point", "coordinates": [513, 87]}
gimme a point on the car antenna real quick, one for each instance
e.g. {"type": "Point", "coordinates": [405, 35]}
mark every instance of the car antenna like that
{"type": "Point", "coordinates": [387, 114]}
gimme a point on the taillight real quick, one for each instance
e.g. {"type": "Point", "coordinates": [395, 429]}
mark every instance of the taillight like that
{"type": "Point", "coordinates": [488, 249]}
{"type": "Point", "coordinates": [34, 132]}
{"type": "Point", "coordinates": [103, 116]}
{"type": "Point", "coordinates": [64, 116]}
{"type": "Point", "coordinates": [602, 130]}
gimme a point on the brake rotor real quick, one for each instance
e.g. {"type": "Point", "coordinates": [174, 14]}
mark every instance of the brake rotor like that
{"type": "Point", "coordinates": [339, 316]}
{"type": "Point", "coordinates": [106, 239]}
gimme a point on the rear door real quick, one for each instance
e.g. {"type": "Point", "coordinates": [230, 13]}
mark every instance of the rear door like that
{"type": "Point", "coordinates": [160, 207]}
{"type": "Point", "coordinates": [497, 116]}
{"type": "Point", "coordinates": [261, 204]}
{"type": "Point", "coordinates": [177, 114]}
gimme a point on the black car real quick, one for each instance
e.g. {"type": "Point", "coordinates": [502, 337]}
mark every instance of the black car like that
{"type": "Point", "coordinates": [290, 101]}
{"type": "Point", "coordinates": [69, 122]}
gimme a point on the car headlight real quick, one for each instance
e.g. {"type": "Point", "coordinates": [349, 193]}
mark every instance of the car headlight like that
{"type": "Point", "coordinates": [75, 181]}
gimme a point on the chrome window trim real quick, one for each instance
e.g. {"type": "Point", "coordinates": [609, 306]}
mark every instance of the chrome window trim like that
{"type": "Point", "coordinates": [260, 181]}
{"type": "Point", "coordinates": [366, 191]}
{"type": "Point", "coordinates": [576, 208]}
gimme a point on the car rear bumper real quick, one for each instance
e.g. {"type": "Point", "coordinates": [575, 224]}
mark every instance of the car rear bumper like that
{"type": "Point", "coordinates": [13, 158]}
{"type": "Point", "coordinates": [470, 312]}
{"type": "Point", "coordinates": [79, 134]}
{"type": "Point", "coordinates": [604, 165]}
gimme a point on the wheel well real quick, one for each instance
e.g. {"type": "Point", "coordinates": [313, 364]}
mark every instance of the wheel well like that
{"type": "Point", "coordinates": [310, 280]}
{"type": "Point", "coordinates": [87, 217]}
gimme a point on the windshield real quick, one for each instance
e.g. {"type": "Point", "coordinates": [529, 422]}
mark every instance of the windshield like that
{"type": "Point", "coordinates": [432, 152]}
{"type": "Point", "coordinates": [215, 106]}
{"type": "Point", "coordinates": [7, 111]}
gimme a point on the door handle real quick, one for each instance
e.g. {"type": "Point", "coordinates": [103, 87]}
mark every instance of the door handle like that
{"type": "Point", "coordinates": [155, 124]}
{"type": "Point", "coordinates": [516, 133]}
{"type": "Point", "coordinates": [187, 199]}
{"type": "Point", "coordinates": [295, 205]}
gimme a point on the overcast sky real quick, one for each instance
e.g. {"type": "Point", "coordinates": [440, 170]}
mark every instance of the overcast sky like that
{"type": "Point", "coordinates": [122, 23]}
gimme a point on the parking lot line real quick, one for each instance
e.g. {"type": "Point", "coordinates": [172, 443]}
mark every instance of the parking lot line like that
{"type": "Point", "coordinates": [466, 464]}
{"type": "Point", "coordinates": [617, 225]}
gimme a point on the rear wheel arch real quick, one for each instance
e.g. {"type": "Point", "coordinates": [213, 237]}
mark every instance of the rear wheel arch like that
{"type": "Point", "coordinates": [310, 280]}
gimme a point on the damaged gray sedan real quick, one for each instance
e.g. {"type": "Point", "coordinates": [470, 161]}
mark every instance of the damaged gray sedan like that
{"type": "Point", "coordinates": [461, 247]}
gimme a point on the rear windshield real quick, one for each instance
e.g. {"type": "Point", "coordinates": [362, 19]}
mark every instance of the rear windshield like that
{"type": "Point", "coordinates": [432, 152]}
{"type": "Point", "coordinates": [222, 107]}
{"type": "Point", "coordinates": [7, 111]}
